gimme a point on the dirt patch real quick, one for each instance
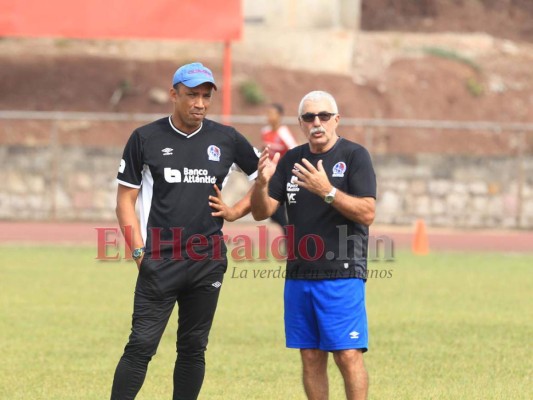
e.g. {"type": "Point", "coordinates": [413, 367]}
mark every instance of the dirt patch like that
{"type": "Point", "coordinates": [423, 88]}
{"type": "Point", "coordinates": [511, 19]}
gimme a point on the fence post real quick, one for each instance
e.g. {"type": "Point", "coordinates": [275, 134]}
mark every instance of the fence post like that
{"type": "Point", "coordinates": [520, 145]}
{"type": "Point", "coordinates": [54, 155]}
{"type": "Point", "coordinates": [369, 134]}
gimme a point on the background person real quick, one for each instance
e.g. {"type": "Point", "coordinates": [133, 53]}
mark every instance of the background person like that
{"type": "Point", "coordinates": [175, 167]}
{"type": "Point", "coordinates": [278, 139]}
{"type": "Point", "coordinates": [329, 187]}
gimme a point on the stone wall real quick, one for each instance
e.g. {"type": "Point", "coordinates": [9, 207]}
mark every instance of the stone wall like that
{"type": "Point", "coordinates": [455, 191]}
{"type": "Point", "coordinates": [78, 183]}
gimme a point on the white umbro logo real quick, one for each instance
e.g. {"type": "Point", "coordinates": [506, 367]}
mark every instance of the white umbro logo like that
{"type": "Point", "coordinates": [217, 284]}
{"type": "Point", "coordinates": [354, 335]}
{"type": "Point", "coordinates": [167, 151]}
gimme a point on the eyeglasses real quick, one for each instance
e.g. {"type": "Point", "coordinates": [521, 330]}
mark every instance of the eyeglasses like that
{"type": "Point", "coordinates": [322, 115]}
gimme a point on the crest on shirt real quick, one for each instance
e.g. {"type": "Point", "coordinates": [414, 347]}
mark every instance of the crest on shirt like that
{"type": "Point", "coordinates": [213, 153]}
{"type": "Point", "coordinates": [339, 169]}
{"type": "Point", "coordinates": [292, 182]}
{"type": "Point", "coordinates": [167, 151]}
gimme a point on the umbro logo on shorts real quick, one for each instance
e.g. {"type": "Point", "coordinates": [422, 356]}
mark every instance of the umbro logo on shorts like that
{"type": "Point", "coordinates": [217, 284]}
{"type": "Point", "coordinates": [354, 335]}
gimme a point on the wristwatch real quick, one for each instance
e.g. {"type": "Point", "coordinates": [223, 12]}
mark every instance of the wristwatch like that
{"type": "Point", "coordinates": [137, 253]}
{"type": "Point", "coordinates": [330, 196]}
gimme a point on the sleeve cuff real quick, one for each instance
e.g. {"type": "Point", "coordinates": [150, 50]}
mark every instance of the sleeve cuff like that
{"type": "Point", "coordinates": [131, 185]}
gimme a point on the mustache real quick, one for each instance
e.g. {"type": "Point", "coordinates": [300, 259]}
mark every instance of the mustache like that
{"type": "Point", "coordinates": [317, 129]}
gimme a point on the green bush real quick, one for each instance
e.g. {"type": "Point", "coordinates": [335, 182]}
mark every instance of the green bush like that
{"type": "Point", "coordinates": [474, 87]}
{"type": "Point", "coordinates": [252, 93]}
{"type": "Point", "coordinates": [451, 55]}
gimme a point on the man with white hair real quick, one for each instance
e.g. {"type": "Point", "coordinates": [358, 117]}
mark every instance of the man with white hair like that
{"type": "Point", "coordinates": [329, 187]}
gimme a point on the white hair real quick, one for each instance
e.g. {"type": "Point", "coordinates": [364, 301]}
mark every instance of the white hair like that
{"type": "Point", "coordinates": [318, 95]}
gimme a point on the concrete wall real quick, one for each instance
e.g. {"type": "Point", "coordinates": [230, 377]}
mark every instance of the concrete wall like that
{"type": "Point", "coordinates": [315, 35]}
{"type": "Point", "coordinates": [327, 50]}
{"type": "Point", "coordinates": [303, 14]}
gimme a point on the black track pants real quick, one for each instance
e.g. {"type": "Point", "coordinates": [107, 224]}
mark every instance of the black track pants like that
{"type": "Point", "coordinates": [195, 286]}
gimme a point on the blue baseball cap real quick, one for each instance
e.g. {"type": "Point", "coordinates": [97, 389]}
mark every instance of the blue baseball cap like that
{"type": "Point", "coordinates": [192, 75]}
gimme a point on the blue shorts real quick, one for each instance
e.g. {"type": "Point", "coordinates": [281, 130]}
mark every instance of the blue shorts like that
{"type": "Point", "coordinates": [327, 314]}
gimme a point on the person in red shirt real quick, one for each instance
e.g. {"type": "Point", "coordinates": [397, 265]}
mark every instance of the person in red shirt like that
{"type": "Point", "coordinates": [276, 136]}
{"type": "Point", "coordinates": [279, 139]}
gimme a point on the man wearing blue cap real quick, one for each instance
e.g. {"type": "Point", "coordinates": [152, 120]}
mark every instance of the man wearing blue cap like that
{"type": "Point", "coordinates": [175, 168]}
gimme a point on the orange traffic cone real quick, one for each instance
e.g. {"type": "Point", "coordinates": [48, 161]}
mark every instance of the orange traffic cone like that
{"type": "Point", "coordinates": [420, 239]}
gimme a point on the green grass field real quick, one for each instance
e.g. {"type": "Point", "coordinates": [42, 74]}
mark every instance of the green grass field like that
{"type": "Point", "coordinates": [444, 326]}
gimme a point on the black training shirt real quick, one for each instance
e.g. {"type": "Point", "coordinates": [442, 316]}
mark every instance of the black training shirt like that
{"type": "Point", "coordinates": [324, 243]}
{"type": "Point", "coordinates": [176, 173]}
